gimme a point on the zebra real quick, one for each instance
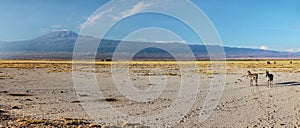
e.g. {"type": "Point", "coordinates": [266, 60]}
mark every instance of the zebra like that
{"type": "Point", "coordinates": [270, 78]}
{"type": "Point", "coordinates": [253, 76]}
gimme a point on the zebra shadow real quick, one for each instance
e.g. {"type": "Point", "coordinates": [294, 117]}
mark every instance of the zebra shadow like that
{"type": "Point", "coordinates": [290, 83]}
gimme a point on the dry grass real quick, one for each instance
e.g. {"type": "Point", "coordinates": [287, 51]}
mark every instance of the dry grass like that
{"type": "Point", "coordinates": [68, 122]}
{"type": "Point", "coordinates": [205, 67]}
{"type": "Point", "coordinates": [280, 66]}
{"type": "Point", "coordinates": [27, 122]}
{"type": "Point", "coordinates": [62, 122]}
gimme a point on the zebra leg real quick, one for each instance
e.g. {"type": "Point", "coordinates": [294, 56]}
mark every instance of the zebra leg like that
{"type": "Point", "coordinates": [271, 82]}
{"type": "Point", "coordinates": [256, 82]}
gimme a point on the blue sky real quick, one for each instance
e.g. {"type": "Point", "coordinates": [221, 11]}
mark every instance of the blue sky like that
{"type": "Point", "coordinates": [266, 24]}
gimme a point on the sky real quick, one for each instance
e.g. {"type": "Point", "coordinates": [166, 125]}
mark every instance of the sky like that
{"type": "Point", "coordinates": [264, 24]}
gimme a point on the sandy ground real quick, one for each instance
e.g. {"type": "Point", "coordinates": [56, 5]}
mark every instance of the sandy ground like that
{"type": "Point", "coordinates": [46, 92]}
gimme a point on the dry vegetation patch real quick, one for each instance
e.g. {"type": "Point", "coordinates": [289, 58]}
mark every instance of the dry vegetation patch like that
{"type": "Point", "coordinates": [144, 66]}
{"type": "Point", "coordinates": [65, 122]}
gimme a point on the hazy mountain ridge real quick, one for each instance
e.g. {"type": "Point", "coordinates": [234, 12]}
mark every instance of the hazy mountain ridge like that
{"type": "Point", "coordinates": [60, 45]}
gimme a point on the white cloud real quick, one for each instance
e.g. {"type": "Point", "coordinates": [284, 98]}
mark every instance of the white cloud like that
{"type": "Point", "coordinates": [162, 41]}
{"type": "Point", "coordinates": [136, 8]}
{"type": "Point", "coordinates": [59, 30]}
{"type": "Point", "coordinates": [293, 50]}
{"type": "Point", "coordinates": [264, 48]}
{"type": "Point", "coordinates": [56, 26]}
{"type": "Point", "coordinates": [114, 15]}
{"type": "Point", "coordinates": [290, 50]}
{"type": "Point", "coordinates": [93, 19]}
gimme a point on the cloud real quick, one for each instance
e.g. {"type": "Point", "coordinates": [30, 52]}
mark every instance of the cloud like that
{"type": "Point", "coordinates": [136, 8]}
{"type": "Point", "coordinates": [56, 26]}
{"type": "Point", "coordinates": [162, 41]}
{"type": "Point", "coordinates": [59, 30]}
{"type": "Point", "coordinates": [264, 48]}
{"type": "Point", "coordinates": [93, 19]}
{"type": "Point", "coordinates": [293, 50]}
{"type": "Point", "coordinates": [290, 50]}
{"type": "Point", "coordinates": [115, 15]}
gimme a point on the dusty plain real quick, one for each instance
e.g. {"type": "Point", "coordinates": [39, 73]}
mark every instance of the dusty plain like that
{"type": "Point", "coordinates": [41, 93]}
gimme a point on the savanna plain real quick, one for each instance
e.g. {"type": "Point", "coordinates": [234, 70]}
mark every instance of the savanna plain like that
{"type": "Point", "coordinates": [41, 93]}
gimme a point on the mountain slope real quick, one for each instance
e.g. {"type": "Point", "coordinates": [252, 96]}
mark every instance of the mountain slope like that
{"type": "Point", "coordinates": [56, 41]}
{"type": "Point", "coordinates": [60, 45]}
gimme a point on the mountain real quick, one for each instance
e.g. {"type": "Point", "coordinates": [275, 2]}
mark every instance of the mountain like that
{"type": "Point", "coordinates": [55, 41]}
{"type": "Point", "coordinates": [59, 35]}
{"type": "Point", "coordinates": [60, 45]}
